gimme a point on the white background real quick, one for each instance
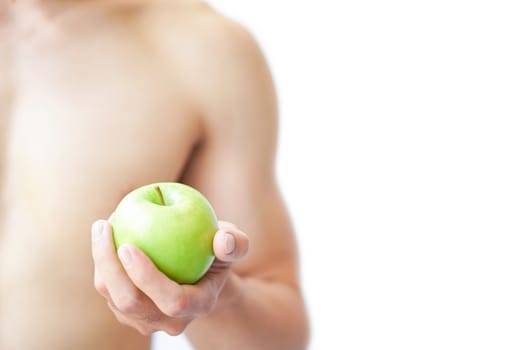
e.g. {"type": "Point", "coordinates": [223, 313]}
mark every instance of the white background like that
{"type": "Point", "coordinates": [402, 159]}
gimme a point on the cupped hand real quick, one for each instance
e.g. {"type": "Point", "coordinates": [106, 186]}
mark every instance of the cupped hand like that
{"type": "Point", "coordinates": [142, 297]}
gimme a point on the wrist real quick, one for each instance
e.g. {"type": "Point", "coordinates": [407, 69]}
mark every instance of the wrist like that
{"type": "Point", "coordinates": [231, 293]}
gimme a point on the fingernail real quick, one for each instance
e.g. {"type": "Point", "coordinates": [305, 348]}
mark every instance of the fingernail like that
{"type": "Point", "coordinates": [98, 229]}
{"type": "Point", "coordinates": [229, 243]}
{"type": "Point", "coordinates": [125, 257]}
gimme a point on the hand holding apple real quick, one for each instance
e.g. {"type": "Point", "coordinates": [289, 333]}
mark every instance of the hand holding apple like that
{"type": "Point", "coordinates": [143, 297]}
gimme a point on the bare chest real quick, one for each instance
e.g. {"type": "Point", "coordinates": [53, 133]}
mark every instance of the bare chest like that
{"type": "Point", "coordinates": [97, 115]}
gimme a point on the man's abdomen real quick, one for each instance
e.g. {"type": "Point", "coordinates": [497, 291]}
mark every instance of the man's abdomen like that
{"type": "Point", "coordinates": [47, 298]}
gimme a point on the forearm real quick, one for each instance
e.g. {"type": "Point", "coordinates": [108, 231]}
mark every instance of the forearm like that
{"type": "Point", "coordinates": [253, 314]}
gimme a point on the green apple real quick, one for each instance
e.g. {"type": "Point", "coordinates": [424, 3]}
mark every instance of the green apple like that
{"type": "Point", "coordinates": [173, 224]}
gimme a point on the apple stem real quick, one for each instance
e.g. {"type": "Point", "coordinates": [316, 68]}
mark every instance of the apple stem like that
{"type": "Point", "coordinates": [157, 188]}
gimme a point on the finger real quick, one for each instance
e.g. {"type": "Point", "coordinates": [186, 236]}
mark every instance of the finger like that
{"type": "Point", "coordinates": [124, 319]}
{"type": "Point", "coordinates": [121, 290]}
{"type": "Point", "coordinates": [144, 326]}
{"type": "Point", "coordinates": [170, 297]}
{"type": "Point", "coordinates": [205, 293]}
{"type": "Point", "coordinates": [230, 244]}
{"type": "Point", "coordinates": [100, 286]}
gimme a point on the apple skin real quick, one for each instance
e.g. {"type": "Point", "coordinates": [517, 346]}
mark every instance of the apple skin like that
{"type": "Point", "coordinates": [174, 228]}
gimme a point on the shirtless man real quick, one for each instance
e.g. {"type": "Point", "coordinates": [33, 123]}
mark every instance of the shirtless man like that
{"type": "Point", "coordinates": [98, 97]}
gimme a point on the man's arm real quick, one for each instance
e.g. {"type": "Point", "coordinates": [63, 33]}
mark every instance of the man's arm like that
{"type": "Point", "coordinates": [261, 306]}
{"type": "Point", "coordinates": [245, 301]}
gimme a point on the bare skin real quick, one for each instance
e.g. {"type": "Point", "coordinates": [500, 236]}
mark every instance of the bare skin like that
{"type": "Point", "coordinates": [98, 99]}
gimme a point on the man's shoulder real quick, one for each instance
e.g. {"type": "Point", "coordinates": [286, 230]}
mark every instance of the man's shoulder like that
{"type": "Point", "coordinates": [200, 35]}
{"type": "Point", "coordinates": [218, 62]}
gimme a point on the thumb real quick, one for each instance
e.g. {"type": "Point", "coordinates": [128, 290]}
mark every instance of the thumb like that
{"type": "Point", "coordinates": [230, 244]}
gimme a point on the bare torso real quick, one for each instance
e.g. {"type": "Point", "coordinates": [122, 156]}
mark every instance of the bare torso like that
{"type": "Point", "coordinates": [96, 112]}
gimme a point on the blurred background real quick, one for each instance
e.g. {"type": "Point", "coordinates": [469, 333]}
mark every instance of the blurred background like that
{"type": "Point", "coordinates": [402, 159]}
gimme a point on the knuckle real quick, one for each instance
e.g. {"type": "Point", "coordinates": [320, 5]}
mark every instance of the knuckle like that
{"type": "Point", "coordinates": [128, 302]}
{"type": "Point", "coordinates": [101, 289]}
{"type": "Point", "coordinates": [176, 330]}
{"type": "Point", "coordinates": [121, 318]}
{"type": "Point", "coordinates": [145, 331]}
{"type": "Point", "coordinates": [176, 306]}
{"type": "Point", "coordinates": [100, 286]}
